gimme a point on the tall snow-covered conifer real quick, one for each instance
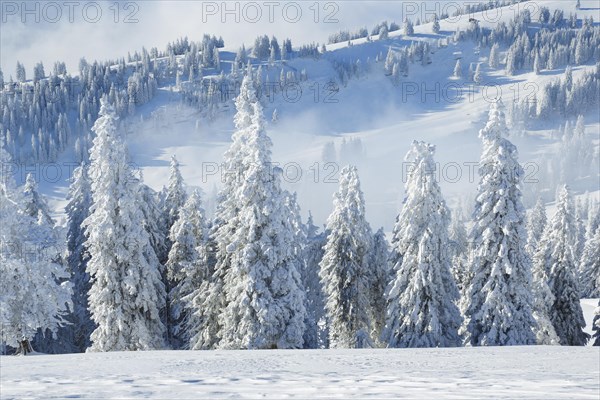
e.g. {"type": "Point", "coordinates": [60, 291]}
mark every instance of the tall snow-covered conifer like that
{"type": "Point", "coordinates": [556, 256]}
{"type": "Point", "coordinates": [458, 248]}
{"type": "Point", "coordinates": [596, 326]}
{"type": "Point", "coordinates": [187, 263]}
{"type": "Point", "coordinates": [536, 223]}
{"type": "Point", "coordinates": [78, 209]}
{"type": "Point", "coordinates": [263, 289]}
{"type": "Point", "coordinates": [422, 309]}
{"type": "Point", "coordinates": [31, 294]}
{"type": "Point", "coordinates": [208, 301]}
{"type": "Point", "coordinates": [590, 267]}
{"type": "Point", "coordinates": [315, 334]}
{"type": "Point", "coordinates": [175, 195]}
{"type": "Point", "coordinates": [35, 204]}
{"type": "Point", "coordinates": [381, 276]}
{"type": "Point", "coordinates": [127, 293]}
{"type": "Point", "coordinates": [345, 273]}
{"type": "Point", "coordinates": [498, 302]}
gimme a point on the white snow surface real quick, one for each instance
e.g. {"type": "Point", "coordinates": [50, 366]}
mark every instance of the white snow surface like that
{"type": "Point", "coordinates": [532, 372]}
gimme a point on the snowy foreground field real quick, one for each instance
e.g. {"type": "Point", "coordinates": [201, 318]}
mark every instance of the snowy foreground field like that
{"type": "Point", "coordinates": [533, 372]}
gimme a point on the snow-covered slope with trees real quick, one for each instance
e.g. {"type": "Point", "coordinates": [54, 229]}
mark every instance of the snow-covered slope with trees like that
{"type": "Point", "coordinates": [159, 203]}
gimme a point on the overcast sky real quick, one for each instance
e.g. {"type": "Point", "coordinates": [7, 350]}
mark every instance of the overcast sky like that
{"type": "Point", "coordinates": [100, 30]}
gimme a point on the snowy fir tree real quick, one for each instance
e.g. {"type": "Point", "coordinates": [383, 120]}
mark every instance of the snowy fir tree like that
{"type": "Point", "coordinates": [315, 334]}
{"type": "Point", "coordinates": [34, 293]}
{"type": "Point", "coordinates": [126, 294]}
{"type": "Point", "coordinates": [543, 297]}
{"type": "Point", "coordinates": [590, 267]}
{"type": "Point", "coordinates": [478, 77]}
{"type": "Point", "coordinates": [381, 276]}
{"type": "Point", "coordinates": [186, 266]}
{"type": "Point", "coordinates": [263, 289]}
{"type": "Point", "coordinates": [536, 224]}
{"type": "Point", "coordinates": [35, 205]}
{"type": "Point", "coordinates": [498, 302]}
{"type": "Point", "coordinates": [556, 257]}
{"type": "Point", "coordinates": [494, 60]}
{"type": "Point", "coordinates": [207, 302]}
{"type": "Point", "coordinates": [457, 249]}
{"type": "Point", "coordinates": [383, 32]}
{"type": "Point", "coordinates": [344, 269]}
{"type": "Point", "coordinates": [537, 67]}
{"type": "Point", "coordinates": [154, 223]}
{"type": "Point", "coordinates": [77, 211]}
{"type": "Point", "coordinates": [596, 325]}
{"type": "Point", "coordinates": [543, 301]}
{"type": "Point", "coordinates": [422, 297]}
{"type": "Point", "coordinates": [408, 27]}
{"type": "Point", "coordinates": [457, 70]}
{"type": "Point", "coordinates": [175, 195]}
{"type": "Point", "coordinates": [299, 247]}
{"type": "Point", "coordinates": [435, 27]}
{"type": "Point", "coordinates": [257, 293]}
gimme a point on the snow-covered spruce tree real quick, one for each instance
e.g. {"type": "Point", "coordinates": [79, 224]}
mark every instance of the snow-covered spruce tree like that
{"type": "Point", "coordinates": [593, 222]}
{"type": "Point", "coordinates": [77, 211]}
{"type": "Point", "coordinates": [408, 27]}
{"type": "Point", "coordinates": [315, 333]}
{"type": "Point", "coordinates": [186, 265]}
{"type": "Point", "coordinates": [263, 288]}
{"type": "Point", "coordinates": [457, 70]}
{"type": "Point", "coordinates": [422, 297]}
{"type": "Point", "coordinates": [435, 27]}
{"type": "Point", "coordinates": [543, 301]}
{"type": "Point", "coordinates": [127, 293]}
{"type": "Point", "coordinates": [498, 302]}
{"type": "Point", "coordinates": [34, 203]}
{"type": "Point", "coordinates": [556, 256]}
{"type": "Point", "coordinates": [596, 325]}
{"type": "Point", "coordinates": [344, 269]}
{"type": "Point", "coordinates": [511, 62]}
{"type": "Point", "coordinates": [208, 301]}
{"type": "Point", "coordinates": [390, 60]}
{"type": "Point", "coordinates": [494, 61]}
{"type": "Point", "coordinates": [478, 77]}
{"type": "Point", "coordinates": [32, 297]}
{"type": "Point", "coordinates": [590, 267]}
{"type": "Point", "coordinates": [381, 277]}
{"type": "Point", "coordinates": [154, 222]}
{"type": "Point", "coordinates": [536, 224]}
{"type": "Point", "coordinates": [537, 67]}
{"type": "Point", "coordinates": [175, 195]}
{"type": "Point", "coordinates": [543, 297]}
{"type": "Point", "coordinates": [36, 206]}
{"type": "Point", "coordinates": [458, 247]}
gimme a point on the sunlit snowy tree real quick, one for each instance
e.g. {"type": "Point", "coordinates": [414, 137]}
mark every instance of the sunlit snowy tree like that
{"type": "Point", "coordinates": [498, 302]}
{"type": "Point", "coordinates": [422, 310]}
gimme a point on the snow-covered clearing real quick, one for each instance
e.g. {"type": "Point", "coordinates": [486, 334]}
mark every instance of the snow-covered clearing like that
{"type": "Point", "coordinates": [532, 372]}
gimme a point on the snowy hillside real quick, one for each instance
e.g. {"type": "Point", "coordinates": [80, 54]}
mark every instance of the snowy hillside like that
{"type": "Point", "coordinates": [428, 105]}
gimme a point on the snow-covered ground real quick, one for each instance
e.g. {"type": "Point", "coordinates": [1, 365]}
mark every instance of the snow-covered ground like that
{"type": "Point", "coordinates": [533, 372]}
{"type": "Point", "coordinates": [529, 372]}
